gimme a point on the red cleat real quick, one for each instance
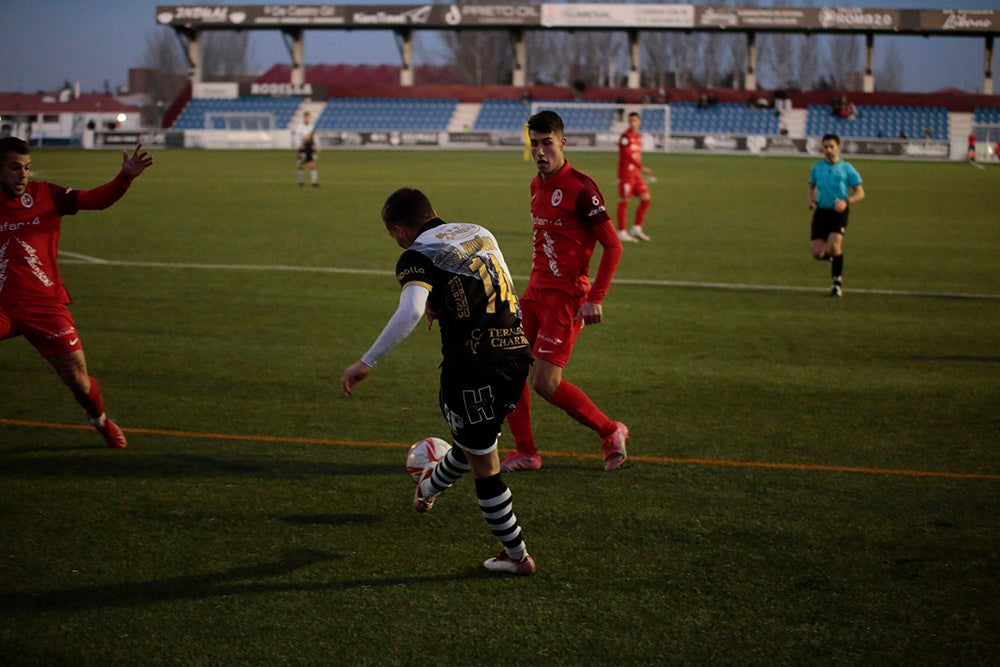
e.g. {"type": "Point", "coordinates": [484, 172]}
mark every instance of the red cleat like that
{"type": "Point", "coordinates": [113, 435]}
{"type": "Point", "coordinates": [502, 562]}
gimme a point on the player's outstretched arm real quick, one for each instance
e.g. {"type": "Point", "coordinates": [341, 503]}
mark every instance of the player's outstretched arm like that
{"type": "Point", "coordinates": [133, 166]}
{"type": "Point", "coordinates": [103, 196]}
{"type": "Point", "coordinates": [354, 374]}
{"type": "Point", "coordinates": [412, 304]}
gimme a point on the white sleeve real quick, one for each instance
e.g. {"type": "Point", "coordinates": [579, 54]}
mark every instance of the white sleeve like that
{"type": "Point", "coordinates": [412, 303]}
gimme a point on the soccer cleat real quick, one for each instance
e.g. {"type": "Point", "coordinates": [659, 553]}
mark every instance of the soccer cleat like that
{"type": "Point", "coordinates": [515, 461]}
{"type": "Point", "coordinates": [626, 237]}
{"type": "Point", "coordinates": [614, 447]}
{"type": "Point", "coordinates": [113, 435]}
{"type": "Point", "coordinates": [502, 562]}
{"type": "Point", "coordinates": [836, 292]}
{"type": "Point", "coordinates": [637, 233]}
{"type": "Point", "coordinates": [421, 503]}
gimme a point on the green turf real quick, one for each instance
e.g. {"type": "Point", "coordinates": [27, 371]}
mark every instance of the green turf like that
{"type": "Point", "coordinates": [772, 512]}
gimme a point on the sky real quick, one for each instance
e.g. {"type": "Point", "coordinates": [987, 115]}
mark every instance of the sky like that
{"type": "Point", "coordinates": [95, 42]}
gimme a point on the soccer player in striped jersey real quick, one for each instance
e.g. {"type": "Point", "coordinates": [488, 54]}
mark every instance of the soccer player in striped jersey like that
{"type": "Point", "coordinates": [569, 218]}
{"type": "Point", "coordinates": [456, 274]}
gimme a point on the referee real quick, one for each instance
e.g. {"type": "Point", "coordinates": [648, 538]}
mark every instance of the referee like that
{"type": "Point", "coordinates": [833, 186]}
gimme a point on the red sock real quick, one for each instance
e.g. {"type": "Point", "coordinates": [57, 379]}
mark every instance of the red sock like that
{"type": "Point", "coordinates": [640, 213]}
{"type": "Point", "coordinates": [622, 214]}
{"type": "Point", "coordinates": [520, 424]}
{"type": "Point", "coordinates": [94, 404]}
{"type": "Point", "coordinates": [577, 405]}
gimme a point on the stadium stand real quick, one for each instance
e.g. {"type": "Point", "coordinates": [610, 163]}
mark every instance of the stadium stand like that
{"type": "Point", "coordinates": [722, 117]}
{"type": "Point", "coordinates": [383, 115]}
{"type": "Point", "coordinates": [873, 122]}
{"type": "Point", "coordinates": [502, 116]}
{"type": "Point", "coordinates": [510, 116]}
{"type": "Point", "coordinates": [987, 116]}
{"type": "Point", "coordinates": [241, 113]}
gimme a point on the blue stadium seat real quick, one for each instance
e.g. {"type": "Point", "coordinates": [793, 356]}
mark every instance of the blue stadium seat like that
{"type": "Point", "coordinates": [212, 113]}
{"type": "Point", "coordinates": [723, 117]}
{"type": "Point", "coordinates": [384, 115]}
{"type": "Point", "coordinates": [874, 122]}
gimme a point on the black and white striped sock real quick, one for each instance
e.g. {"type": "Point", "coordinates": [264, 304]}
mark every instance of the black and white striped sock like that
{"type": "Point", "coordinates": [497, 505]}
{"type": "Point", "coordinates": [447, 472]}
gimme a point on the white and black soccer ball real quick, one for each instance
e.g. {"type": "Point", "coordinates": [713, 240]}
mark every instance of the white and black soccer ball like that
{"type": "Point", "coordinates": [424, 453]}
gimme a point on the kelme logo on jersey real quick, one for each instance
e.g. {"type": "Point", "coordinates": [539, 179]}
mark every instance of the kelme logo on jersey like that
{"type": "Point", "coordinates": [598, 206]}
{"type": "Point", "coordinates": [557, 197]}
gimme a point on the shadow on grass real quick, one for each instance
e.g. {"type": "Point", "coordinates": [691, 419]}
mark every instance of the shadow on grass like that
{"type": "Point", "coordinates": [107, 464]}
{"type": "Point", "coordinates": [333, 519]}
{"type": "Point", "coordinates": [243, 580]}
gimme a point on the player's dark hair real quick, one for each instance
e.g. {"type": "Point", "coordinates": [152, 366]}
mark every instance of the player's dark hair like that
{"type": "Point", "coordinates": [546, 122]}
{"type": "Point", "coordinates": [831, 137]}
{"type": "Point", "coordinates": [14, 145]}
{"type": "Point", "coordinates": [633, 113]}
{"type": "Point", "coordinates": [407, 207]}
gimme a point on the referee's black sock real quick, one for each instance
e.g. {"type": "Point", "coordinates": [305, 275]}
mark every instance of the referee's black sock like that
{"type": "Point", "coordinates": [837, 268]}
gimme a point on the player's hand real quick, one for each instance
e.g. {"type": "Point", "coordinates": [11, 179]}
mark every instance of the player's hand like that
{"type": "Point", "coordinates": [354, 374]}
{"type": "Point", "coordinates": [812, 204]}
{"type": "Point", "coordinates": [590, 313]}
{"type": "Point", "coordinates": [137, 163]}
{"type": "Point", "coordinates": [431, 316]}
{"type": "Point", "coordinates": [840, 205]}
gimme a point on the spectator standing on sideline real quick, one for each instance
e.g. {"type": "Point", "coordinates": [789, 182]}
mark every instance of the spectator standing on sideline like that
{"type": "Point", "coordinates": [307, 150]}
{"type": "Point", "coordinates": [456, 273]}
{"type": "Point", "coordinates": [569, 218]}
{"type": "Point", "coordinates": [630, 181]}
{"type": "Point", "coordinates": [833, 186]}
{"type": "Point", "coordinates": [33, 300]}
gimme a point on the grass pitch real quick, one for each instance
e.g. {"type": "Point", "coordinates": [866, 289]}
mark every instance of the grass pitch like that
{"type": "Point", "coordinates": [810, 480]}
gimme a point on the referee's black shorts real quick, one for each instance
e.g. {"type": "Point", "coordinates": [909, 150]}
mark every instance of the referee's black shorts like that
{"type": "Point", "coordinates": [826, 221]}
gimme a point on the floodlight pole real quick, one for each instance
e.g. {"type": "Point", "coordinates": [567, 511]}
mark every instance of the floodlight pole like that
{"type": "Point", "coordinates": [404, 41]}
{"type": "Point", "coordinates": [868, 85]}
{"type": "Point", "coordinates": [988, 69]}
{"type": "Point", "coordinates": [295, 44]}
{"type": "Point", "coordinates": [519, 74]}
{"type": "Point", "coordinates": [750, 79]}
{"type": "Point", "coordinates": [634, 77]}
{"type": "Point", "coordinates": [192, 51]}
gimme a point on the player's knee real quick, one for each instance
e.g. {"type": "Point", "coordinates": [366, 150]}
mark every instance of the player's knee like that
{"type": "Point", "coordinates": [545, 386]}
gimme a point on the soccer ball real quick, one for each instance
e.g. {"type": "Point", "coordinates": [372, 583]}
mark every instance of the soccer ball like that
{"type": "Point", "coordinates": [423, 453]}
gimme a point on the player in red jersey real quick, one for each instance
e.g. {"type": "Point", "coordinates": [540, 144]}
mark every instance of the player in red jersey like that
{"type": "Point", "coordinates": [630, 181]}
{"type": "Point", "coordinates": [33, 300]}
{"type": "Point", "coordinates": [569, 218]}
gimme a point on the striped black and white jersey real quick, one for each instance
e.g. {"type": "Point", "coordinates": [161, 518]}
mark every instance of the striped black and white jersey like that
{"type": "Point", "coordinates": [471, 292]}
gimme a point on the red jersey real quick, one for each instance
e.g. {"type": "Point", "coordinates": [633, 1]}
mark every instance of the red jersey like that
{"type": "Point", "coordinates": [29, 236]}
{"type": "Point", "coordinates": [566, 210]}
{"type": "Point", "coordinates": [629, 154]}
{"type": "Point", "coordinates": [29, 241]}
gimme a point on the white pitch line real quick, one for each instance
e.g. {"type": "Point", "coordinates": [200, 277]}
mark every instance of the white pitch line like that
{"type": "Point", "coordinates": [736, 287]}
{"type": "Point", "coordinates": [87, 259]}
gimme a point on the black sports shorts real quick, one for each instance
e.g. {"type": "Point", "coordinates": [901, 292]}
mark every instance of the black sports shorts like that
{"type": "Point", "coordinates": [827, 221]}
{"type": "Point", "coordinates": [475, 399]}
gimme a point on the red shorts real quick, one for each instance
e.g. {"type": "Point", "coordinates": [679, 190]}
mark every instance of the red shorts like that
{"type": "Point", "coordinates": [550, 327]}
{"type": "Point", "coordinates": [633, 185]}
{"type": "Point", "coordinates": [49, 327]}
